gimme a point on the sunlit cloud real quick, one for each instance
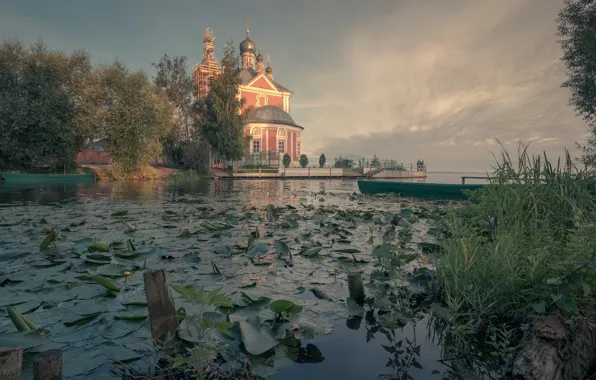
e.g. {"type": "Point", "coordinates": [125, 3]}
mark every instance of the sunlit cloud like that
{"type": "Point", "coordinates": [441, 80]}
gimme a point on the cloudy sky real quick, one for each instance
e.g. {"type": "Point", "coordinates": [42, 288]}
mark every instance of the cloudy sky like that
{"type": "Point", "coordinates": [402, 79]}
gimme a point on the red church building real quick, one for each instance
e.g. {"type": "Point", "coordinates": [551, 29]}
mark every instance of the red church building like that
{"type": "Point", "coordinates": [270, 126]}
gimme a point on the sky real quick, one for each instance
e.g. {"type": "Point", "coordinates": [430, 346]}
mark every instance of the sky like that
{"type": "Point", "coordinates": [438, 80]}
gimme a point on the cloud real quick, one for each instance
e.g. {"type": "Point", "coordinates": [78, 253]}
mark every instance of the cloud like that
{"type": "Point", "coordinates": [440, 80]}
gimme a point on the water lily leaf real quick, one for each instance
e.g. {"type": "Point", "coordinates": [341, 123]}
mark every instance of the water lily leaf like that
{"type": "Point", "coordinates": [407, 212]}
{"type": "Point", "coordinates": [348, 250]}
{"type": "Point", "coordinates": [282, 248]}
{"type": "Point", "coordinates": [127, 255]}
{"type": "Point", "coordinates": [102, 260]}
{"type": "Point", "coordinates": [257, 339]}
{"type": "Point", "coordinates": [259, 249]}
{"type": "Point", "coordinates": [354, 310]}
{"type": "Point", "coordinates": [287, 306]}
{"type": "Point", "coordinates": [120, 213]}
{"type": "Point", "coordinates": [320, 294]}
{"type": "Point", "coordinates": [383, 251]}
{"type": "Point", "coordinates": [312, 252]}
{"type": "Point", "coordinates": [112, 270]}
{"type": "Point", "coordinates": [131, 317]}
{"type": "Point", "coordinates": [215, 268]}
{"type": "Point", "coordinates": [225, 250]}
{"type": "Point", "coordinates": [81, 245]}
{"type": "Point", "coordinates": [98, 246]}
{"type": "Point", "coordinates": [50, 239]}
{"type": "Point", "coordinates": [249, 285]}
{"type": "Point", "coordinates": [289, 223]}
{"type": "Point", "coordinates": [72, 319]}
{"type": "Point", "coordinates": [271, 214]}
{"type": "Point", "coordinates": [103, 282]}
{"type": "Point", "coordinates": [209, 226]}
{"type": "Point", "coordinates": [21, 322]}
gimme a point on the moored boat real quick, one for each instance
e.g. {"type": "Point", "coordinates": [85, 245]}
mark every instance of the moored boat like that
{"type": "Point", "coordinates": [45, 178]}
{"type": "Point", "coordinates": [417, 189]}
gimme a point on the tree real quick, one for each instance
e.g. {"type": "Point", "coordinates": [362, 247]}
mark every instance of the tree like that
{"type": "Point", "coordinates": [303, 160]}
{"type": "Point", "coordinates": [577, 27]}
{"type": "Point", "coordinates": [219, 120]}
{"type": "Point", "coordinates": [174, 80]}
{"type": "Point", "coordinates": [135, 116]}
{"type": "Point", "coordinates": [286, 160]}
{"type": "Point", "coordinates": [322, 160]}
{"type": "Point", "coordinates": [44, 115]}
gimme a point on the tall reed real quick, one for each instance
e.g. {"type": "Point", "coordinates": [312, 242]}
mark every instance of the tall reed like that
{"type": "Point", "coordinates": [524, 244]}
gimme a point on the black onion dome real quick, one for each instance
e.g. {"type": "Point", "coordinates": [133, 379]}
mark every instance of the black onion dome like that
{"type": "Point", "coordinates": [259, 58]}
{"type": "Point", "coordinates": [269, 70]}
{"type": "Point", "coordinates": [247, 46]}
{"type": "Point", "coordinates": [272, 115]}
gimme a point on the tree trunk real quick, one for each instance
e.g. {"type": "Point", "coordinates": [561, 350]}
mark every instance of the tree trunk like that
{"type": "Point", "coordinates": [550, 350]}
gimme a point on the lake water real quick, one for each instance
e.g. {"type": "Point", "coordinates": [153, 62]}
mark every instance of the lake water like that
{"type": "Point", "coordinates": [353, 350]}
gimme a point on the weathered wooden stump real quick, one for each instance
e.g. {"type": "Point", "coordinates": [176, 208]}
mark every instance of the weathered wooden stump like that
{"type": "Point", "coordinates": [552, 351]}
{"type": "Point", "coordinates": [356, 287]}
{"type": "Point", "coordinates": [48, 366]}
{"type": "Point", "coordinates": [11, 360]}
{"type": "Point", "coordinates": [162, 313]}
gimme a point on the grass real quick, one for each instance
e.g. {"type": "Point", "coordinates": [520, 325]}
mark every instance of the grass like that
{"type": "Point", "coordinates": [523, 245]}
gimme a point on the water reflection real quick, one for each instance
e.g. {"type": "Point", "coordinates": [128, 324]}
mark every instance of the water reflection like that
{"type": "Point", "coordinates": [256, 192]}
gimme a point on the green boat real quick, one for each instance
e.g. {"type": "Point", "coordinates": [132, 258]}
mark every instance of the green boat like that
{"type": "Point", "coordinates": [45, 178]}
{"type": "Point", "coordinates": [417, 189]}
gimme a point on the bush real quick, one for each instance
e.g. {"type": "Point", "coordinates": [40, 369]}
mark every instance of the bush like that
{"type": "Point", "coordinates": [524, 245]}
{"type": "Point", "coordinates": [322, 160]}
{"type": "Point", "coordinates": [286, 160]}
{"type": "Point", "coordinates": [303, 160]}
{"type": "Point", "coordinates": [195, 156]}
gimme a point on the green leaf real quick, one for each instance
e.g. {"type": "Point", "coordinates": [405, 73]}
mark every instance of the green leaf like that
{"type": "Point", "coordinates": [103, 282]}
{"type": "Point", "coordinates": [215, 268]}
{"type": "Point", "coordinates": [259, 249]}
{"type": "Point", "coordinates": [539, 307]}
{"type": "Point", "coordinates": [347, 250]}
{"type": "Point", "coordinates": [282, 248]}
{"type": "Point", "coordinates": [209, 226]}
{"type": "Point", "coordinates": [289, 223]}
{"type": "Point", "coordinates": [216, 298]}
{"type": "Point", "coordinates": [98, 246]}
{"type": "Point", "coordinates": [112, 270]}
{"type": "Point", "coordinates": [383, 251]}
{"type": "Point", "coordinates": [51, 238]}
{"type": "Point", "coordinates": [257, 339]}
{"type": "Point", "coordinates": [82, 319]}
{"type": "Point", "coordinates": [280, 306]}
{"type": "Point", "coordinates": [18, 319]}
{"type": "Point", "coordinates": [271, 214]}
{"type": "Point", "coordinates": [312, 252]}
{"type": "Point", "coordinates": [120, 213]}
{"type": "Point", "coordinates": [131, 317]}
{"type": "Point", "coordinates": [81, 245]}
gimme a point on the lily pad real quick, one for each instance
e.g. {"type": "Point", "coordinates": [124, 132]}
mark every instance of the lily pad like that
{"type": "Point", "coordinates": [282, 248]}
{"type": "Point", "coordinates": [112, 270]}
{"type": "Point", "coordinates": [257, 338]}
{"type": "Point", "coordinates": [259, 249]}
{"type": "Point", "coordinates": [98, 246]}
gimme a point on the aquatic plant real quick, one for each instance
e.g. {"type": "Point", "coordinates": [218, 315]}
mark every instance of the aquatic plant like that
{"type": "Point", "coordinates": [523, 246]}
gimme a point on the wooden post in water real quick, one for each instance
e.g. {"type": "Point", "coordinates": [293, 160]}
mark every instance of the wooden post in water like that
{"type": "Point", "coordinates": [356, 287]}
{"type": "Point", "coordinates": [48, 366]}
{"type": "Point", "coordinates": [162, 313]}
{"type": "Point", "coordinates": [11, 360]}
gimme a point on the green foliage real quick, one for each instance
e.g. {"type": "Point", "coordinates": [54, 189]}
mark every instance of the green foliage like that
{"type": "Point", "coordinates": [577, 27]}
{"type": "Point", "coordinates": [322, 160]}
{"type": "Point", "coordinates": [303, 160]}
{"type": "Point", "coordinates": [286, 160]}
{"type": "Point", "coordinates": [134, 117]}
{"type": "Point", "coordinates": [522, 246]}
{"type": "Point", "coordinates": [219, 121]}
{"type": "Point", "coordinates": [201, 328]}
{"type": "Point", "coordinates": [343, 163]}
{"type": "Point", "coordinates": [174, 80]}
{"type": "Point", "coordinates": [44, 116]}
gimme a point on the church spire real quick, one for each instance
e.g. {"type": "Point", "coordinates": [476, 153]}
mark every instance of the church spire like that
{"type": "Point", "coordinates": [260, 65]}
{"type": "Point", "coordinates": [269, 70]}
{"type": "Point", "coordinates": [247, 50]}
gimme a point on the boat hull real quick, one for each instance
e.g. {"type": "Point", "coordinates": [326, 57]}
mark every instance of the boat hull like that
{"type": "Point", "coordinates": [45, 178]}
{"type": "Point", "coordinates": [417, 189]}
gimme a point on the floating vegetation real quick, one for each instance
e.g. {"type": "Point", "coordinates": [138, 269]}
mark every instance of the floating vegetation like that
{"type": "Point", "coordinates": [263, 276]}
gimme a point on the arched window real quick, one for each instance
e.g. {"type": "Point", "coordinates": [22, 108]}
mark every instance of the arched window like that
{"type": "Point", "coordinates": [256, 146]}
{"type": "Point", "coordinates": [281, 147]}
{"type": "Point", "coordinates": [281, 132]}
{"type": "Point", "coordinates": [255, 132]}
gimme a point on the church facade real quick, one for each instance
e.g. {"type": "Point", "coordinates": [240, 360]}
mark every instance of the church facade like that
{"type": "Point", "coordinates": [270, 128]}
